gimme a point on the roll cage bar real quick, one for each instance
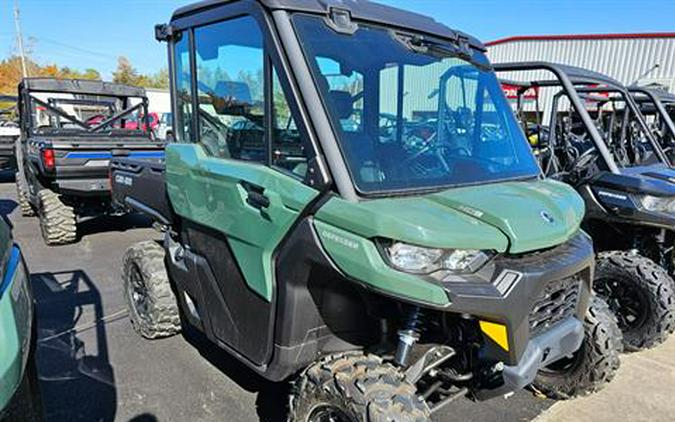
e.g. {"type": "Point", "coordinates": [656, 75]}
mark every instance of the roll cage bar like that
{"type": "Point", "coordinates": [573, 80]}
{"type": "Point", "coordinates": [52, 107]}
{"type": "Point", "coordinates": [660, 99]}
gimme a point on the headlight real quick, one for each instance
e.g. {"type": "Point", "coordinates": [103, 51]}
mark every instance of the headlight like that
{"type": "Point", "coordinates": [420, 260]}
{"type": "Point", "coordinates": [658, 204]}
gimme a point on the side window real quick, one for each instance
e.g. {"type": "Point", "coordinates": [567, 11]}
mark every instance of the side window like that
{"type": "Point", "coordinates": [288, 152]}
{"type": "Point", "coordinates": [184, 92]}
{"type": "Point", "coordinates": [230, 80]}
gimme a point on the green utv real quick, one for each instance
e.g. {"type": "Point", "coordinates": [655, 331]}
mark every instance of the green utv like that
{"type": "Point", "coordinates": [350, 205]}
{"type": "Point", "coordinates": [19, 391]}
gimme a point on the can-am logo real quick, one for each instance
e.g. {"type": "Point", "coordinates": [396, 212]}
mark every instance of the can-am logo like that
{"type": "Point", "coordinates": [546, 216]}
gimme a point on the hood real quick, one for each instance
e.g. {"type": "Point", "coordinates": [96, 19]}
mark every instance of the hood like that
{"type": "Point", "coordinates": [657, 180]}
{"type": "Point", "coordinates": [514, 216]}
{"type": "Point", "coordinates": [533, 215]}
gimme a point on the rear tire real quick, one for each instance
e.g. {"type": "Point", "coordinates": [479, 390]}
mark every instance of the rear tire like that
{"type": "Point", "coordinates": [595, 363]}
{"type": "Point", "coordinates": [353, 387]}
{"type": "Point", "coordinates": [25, 206]}
{"type": "Point", "coordinates": [57, 221]}
{"type": "Point", "coordinates": [641, 294]}
{"type": "Point", "coordinates": [153, 309]}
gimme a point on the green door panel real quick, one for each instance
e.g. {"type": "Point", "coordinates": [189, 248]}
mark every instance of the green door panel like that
{"type": "Point", "coordinates": [209, 191]}
{"type": "Point", "coordinates": [359, 258]}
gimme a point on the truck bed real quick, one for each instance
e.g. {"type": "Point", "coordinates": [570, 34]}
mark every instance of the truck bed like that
{"type": "Point", "coordinates": [81, 166]}
{"type": "Point", "coordinates": [139, 185]}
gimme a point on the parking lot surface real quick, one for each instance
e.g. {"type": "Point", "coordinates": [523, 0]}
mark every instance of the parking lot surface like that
{"type": "Point", "coordinates": [641, 392]}
{"type": "Point", "coordinates": [93, 367]}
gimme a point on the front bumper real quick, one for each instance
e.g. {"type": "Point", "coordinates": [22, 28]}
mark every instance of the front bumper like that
{"type": "Point", "coordinates": [562, 340]}
{"type": "Point", "coordinates": [530, 295]}
{"type": "Point", "coordinates": [16, 325]}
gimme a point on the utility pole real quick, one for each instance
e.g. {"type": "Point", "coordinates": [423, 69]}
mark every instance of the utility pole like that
{"type": "Point", "coordinates": [19, 39]}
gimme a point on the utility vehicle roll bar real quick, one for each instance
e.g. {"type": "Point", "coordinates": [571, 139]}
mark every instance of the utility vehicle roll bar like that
{"type": "Point", "coordinates": [659, 99]}
{"type": "Point", "coordinates": [632, 105]}
{"type": "Point", "coordinates": [570, 78]}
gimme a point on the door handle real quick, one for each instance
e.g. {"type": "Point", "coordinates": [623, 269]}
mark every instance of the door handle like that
{"type": "Point", "coordinates": [255, 196]}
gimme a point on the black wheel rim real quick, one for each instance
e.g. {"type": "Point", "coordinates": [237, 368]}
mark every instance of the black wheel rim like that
{"type": "Point", "coordinates": [138, 293]}
{"type": "Point", "coordinates": [628, 303]}
{"type": "Point", "coordinates": [328, 413]}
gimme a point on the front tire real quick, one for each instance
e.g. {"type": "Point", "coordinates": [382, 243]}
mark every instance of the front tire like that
{"type": "Point", "coordinates": [57, 221]}
{"type": "Point", "coordinates": [353, 387]}
{"type": "Point", "coordinates": [595, 363]}
{"type": "Point", "coordinates": [641, 294]}
{"type": "Point", "coordinates": [153, 309]}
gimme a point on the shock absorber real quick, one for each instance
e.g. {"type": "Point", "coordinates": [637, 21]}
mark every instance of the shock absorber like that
{"type": "Point", "coordinates": [408, 336]}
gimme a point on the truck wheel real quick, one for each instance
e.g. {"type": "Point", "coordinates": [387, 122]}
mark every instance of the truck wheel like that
{"type": "Point", "coordinates": [26, 406]}
{"type": "Point", "coordinates": [152, 305]}
{"type": "Point", "coordinates": [354, 387]}
{"type": "Point", "coordinates": [57, 221]}
{"type": "Point", "coordinates": [595, 363]}
{"type": "Point", "coordinates": [640, 293]}
{"type": "Point", "coordinates": [22, 198]}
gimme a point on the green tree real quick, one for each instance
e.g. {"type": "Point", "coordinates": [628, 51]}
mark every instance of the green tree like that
{"type": "Point", "coordinates": [125, 72]}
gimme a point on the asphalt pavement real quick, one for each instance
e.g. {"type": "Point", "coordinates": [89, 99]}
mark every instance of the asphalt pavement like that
{"type": "Point", "coordinates": [93, 367]}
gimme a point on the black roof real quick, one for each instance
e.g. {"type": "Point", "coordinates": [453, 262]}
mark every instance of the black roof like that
{"type": "Point", "coordinates": [663, 96]}
{"type": "Point", "coordinates": [79, 86]}
{"type": "Point", "coordinates": [577, 75]}
{"type": "Point", "coordinates": [360, 10]}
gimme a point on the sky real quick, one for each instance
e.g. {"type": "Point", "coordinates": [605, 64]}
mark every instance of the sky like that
{"type": "Point", "coordinates": [93, 33]}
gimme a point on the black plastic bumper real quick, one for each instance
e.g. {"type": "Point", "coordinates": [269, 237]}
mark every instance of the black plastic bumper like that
{"type": "Point", "coordinates": [560, 341]}
{"type": "Point", "coordinates": [507, 291]}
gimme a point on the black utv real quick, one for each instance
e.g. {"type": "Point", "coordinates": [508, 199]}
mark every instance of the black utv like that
{"type": "Point", "coordinates": [70, 129]}
{"type": "Point", "coordinates": [595, 138]}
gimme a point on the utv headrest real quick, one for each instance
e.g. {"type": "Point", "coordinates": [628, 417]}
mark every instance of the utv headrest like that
{"type": "Point", "coordinates": [343, 104]}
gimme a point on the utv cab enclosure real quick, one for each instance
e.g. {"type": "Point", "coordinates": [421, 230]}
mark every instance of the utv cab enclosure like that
{"type": "Point", "coordinates": [350, 204]}
{"type": "Point", "coordinates": [70, 129]}
{"type": "Point", "coordinates": [598, 141]}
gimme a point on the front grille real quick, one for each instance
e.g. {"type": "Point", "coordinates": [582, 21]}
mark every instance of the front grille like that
{"type": "Point", "coordinates": [556, 302]}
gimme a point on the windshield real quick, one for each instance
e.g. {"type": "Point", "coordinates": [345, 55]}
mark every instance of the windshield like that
{"type": "Point", "coordinates": [56, 113]}
{"type": "Point", "coordinates": [414, 115]}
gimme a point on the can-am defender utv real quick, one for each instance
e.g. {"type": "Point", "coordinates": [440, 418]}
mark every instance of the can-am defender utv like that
{"type": "Point", "coordinates": [658, 107]}
{"type": "Point", "coordinates": [9, 132]}
{"type": "Point", "coordinates": [70, 129]}
{"type": "Point", "coordinates": [614, 162]}
{"type": "Point", "coordinates": [325, 223]}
